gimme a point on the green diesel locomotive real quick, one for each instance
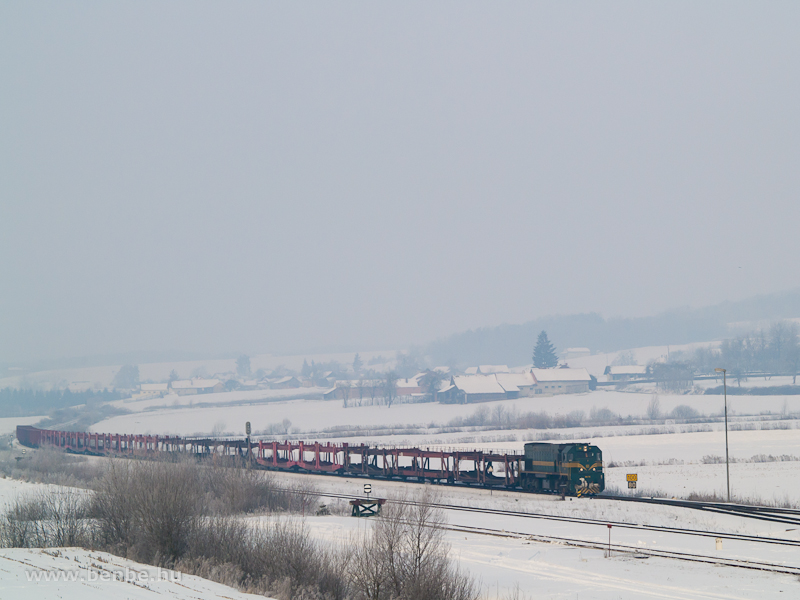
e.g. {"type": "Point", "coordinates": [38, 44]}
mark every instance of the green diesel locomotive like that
{"type": "Point", "coordinates": [563, 468]}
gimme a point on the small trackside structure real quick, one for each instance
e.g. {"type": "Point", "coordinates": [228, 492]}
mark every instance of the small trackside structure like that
{"type": "Point", "coordinates": [475, 467]}
{"type": "Point", "coordinates": [367, 507]}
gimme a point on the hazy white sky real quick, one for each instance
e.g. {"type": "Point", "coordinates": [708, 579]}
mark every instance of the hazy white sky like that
{"type": "Point", "coordinates": [260, 176]}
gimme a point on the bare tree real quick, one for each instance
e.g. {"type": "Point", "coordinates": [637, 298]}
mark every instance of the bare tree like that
{"type": "Point", "coordinates": [654, 408]}
{"type": "Point", "coordinates": [390, 388]}
{"type": "Point", "coordinates": [430, 382]}
{"type": "Point", "coordinates": [343, 387]}
{"type": "Point", "coordinates": [360, 385]}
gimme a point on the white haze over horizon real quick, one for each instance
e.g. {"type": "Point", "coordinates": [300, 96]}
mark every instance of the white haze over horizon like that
{"type": "Point", "coordinates": [267, 177]}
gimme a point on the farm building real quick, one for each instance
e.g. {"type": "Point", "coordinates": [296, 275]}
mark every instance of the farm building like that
{"type": "Point", "coordinates": [185, 387]}
{"type": "Point", "coordinates": [625, 373]}
{"type": "Point", "coordinates": [410, 386]}
{"type": "Point", "coordinates": [517, 385]}
{"type": "Point", "coordinates": [561, 381]}
{"type": "Point", "coordinates": [473, 388]}
{"type": "Point", "coordinates": [285, 383]}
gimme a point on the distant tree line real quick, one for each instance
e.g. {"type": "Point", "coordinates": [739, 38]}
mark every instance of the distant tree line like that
{"type": "Point", "coordinates": [24, 402]}
{"type": "Point", "coordinates": [511, 344]}
{"type": "Point", "coordinates": [760, 353]}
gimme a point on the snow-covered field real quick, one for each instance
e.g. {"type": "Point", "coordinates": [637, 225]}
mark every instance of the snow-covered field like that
{"type": "Point", "coordinates": [683, 445]}
{"type": "Point", "coordinates": [195, 401]}
{"type": "Point", "coordinates": [317, 415]}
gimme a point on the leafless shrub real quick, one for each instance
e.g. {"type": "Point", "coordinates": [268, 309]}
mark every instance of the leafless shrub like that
{"type": "Point", "coordinates": [150, 508]}
{"type": "Point", "coordinates": [47, 465]}
{"type": "Point", "coordinates": [406, 557]}
{"type": "Point", "coordinates": [275, 558]}
{"type": "Point", "coordinates": [56, 517]}
{"type": "Point", "coordinates": [237, 490]}
{"type": "Point", "coordinates": [20, 524]}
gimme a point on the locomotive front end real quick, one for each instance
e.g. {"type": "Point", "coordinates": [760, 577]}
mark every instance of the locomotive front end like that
{"type": "Point", "coordinates": [585, 465]}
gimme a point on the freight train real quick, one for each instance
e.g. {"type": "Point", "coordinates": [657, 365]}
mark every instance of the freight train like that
{"type": "Point", "coordinates": [573, 469]}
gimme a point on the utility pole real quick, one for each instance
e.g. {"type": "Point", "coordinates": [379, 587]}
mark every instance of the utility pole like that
{"type": "Point", "coordinates": [727, 462]}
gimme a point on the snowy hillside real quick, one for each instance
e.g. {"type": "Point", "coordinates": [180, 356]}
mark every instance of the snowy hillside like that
{"type": "Point", "coordinates": [79, 574]}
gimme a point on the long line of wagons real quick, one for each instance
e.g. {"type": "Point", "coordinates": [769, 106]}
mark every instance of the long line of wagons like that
{"type": "Point", "coordinates": [573, 468]}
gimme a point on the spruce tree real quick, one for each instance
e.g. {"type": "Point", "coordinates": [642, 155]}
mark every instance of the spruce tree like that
{"type": "Point", "coordinates": [544, 354]}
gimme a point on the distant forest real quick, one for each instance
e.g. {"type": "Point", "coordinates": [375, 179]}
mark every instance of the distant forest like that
{"type": "Point", "coordinates": [24, 403]}
{"type": "Point", "coordinates": [513, 344]}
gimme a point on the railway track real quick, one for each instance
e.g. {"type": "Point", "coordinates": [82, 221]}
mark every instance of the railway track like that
{"type": "Point", "coordinates": [319, 458]}
{"type": "Point", "coordinates": [635, 551]}
{"type": "Point", "coordinates": [788, 516]}
{"type": "Point", "coordinates": [580, 520]}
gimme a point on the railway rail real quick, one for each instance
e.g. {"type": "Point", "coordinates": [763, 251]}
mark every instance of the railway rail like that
{"type": "Point", "coordinates": [581, 520]}
{"type": "Point", "coordinates": [635, 551]}
{"type": "Point", "coordinates": [774, 514]}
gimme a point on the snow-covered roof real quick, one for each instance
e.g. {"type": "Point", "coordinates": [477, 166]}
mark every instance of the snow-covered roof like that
{"type": "Point", "coordinates": [411, 381]}
{"type": "Point", "coordinates": [511, 382]}
{"type": "Point", "coordinates": [407, 383]}
{"type": "Point", "coordinates": [478, 384]}
{"type": "Point", "coordinates": [471, 371]}
{"type": "Point", "coordinates": [628, 370]}
{"type": "Point", "coordinates": [550, 375]}
{"type": "Point", "coordinates": [188, 384]}
{"type": "Point", "coordinates": [286, 379]}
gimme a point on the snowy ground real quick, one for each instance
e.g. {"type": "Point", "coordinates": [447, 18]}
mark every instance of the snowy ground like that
{"type": "Point", "coordinates": [557, 571]}
{"type": "Point", "coordinates": [78, 574]}
{"type": "Point", "coordinates": [195, 401]}
{"type": "Point", "coordinates": [74, 573]}
{"type": "Point", "coordinates": [549, 570]}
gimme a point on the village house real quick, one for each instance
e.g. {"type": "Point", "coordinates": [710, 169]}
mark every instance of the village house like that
{"type": "Point", "coordinates": [517, 385]}
{"type": "Point", "coordinates": [410, 386]}
{"type": "Point", "coordinates": [355, 389]}
{"type": "Point", "coordinates": [510, 386]}
{"type": "Point", "coordinates": [285, 383]}
{"type": "Point", "coordinates": [472, 388]}
{"type": "Point", "coordinates": [561, 381]}
{"type": "Point", "coordinates": [625, 372]}
{"type": "Point", "coordinates": [186, 387]}
{"type": "Point", "coordinates": [153, 390]}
